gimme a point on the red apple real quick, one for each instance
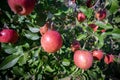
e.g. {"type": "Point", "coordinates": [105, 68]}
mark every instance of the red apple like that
{"type": "Point", "coordinates": [51, 41]}
{"type": "Point", "coordinates": [94, 27]}
{"type": "Point", "coordinates": [8, 36]}
{"type": "Point", "coordinates": [100, 15]}
{"type": "Point", "coordinates": [75, 45]}
{"type": "Point", "coordinates": [83, 59]}
{"type": "Point", "coordinates": [108, 59]}
{"type": "Point", "coordinates": [81, 17]}
{"type": "Point", "coordinates": [103, 30]}
{"type": "Point", "coordinates": [22, 7]}
{"type": "Point", "coordinates": [97, 54]}
{"type": "Point", "coordinates": [89, 3]}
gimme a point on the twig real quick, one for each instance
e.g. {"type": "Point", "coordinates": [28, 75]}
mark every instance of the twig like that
{"type": "Point", "coordinates": [95, 5]}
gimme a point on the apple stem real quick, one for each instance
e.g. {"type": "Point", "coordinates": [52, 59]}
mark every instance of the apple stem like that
{"type": "Point", "coordinates": [52, 25]}
{"type": "Point", "coordinates": [33, 48]}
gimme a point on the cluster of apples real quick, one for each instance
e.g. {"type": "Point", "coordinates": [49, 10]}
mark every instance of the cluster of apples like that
{"type": "Point", "coordinates": [21, 7]}
{"type": "Point", "coordinates": [51, 40]}
{"type": "Point", "coordinates": [99, 15]}
{"type": "Point", "coordinates": [84, 58]}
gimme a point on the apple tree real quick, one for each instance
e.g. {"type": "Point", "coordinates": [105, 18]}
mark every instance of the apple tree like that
{"type": "Point", "coordinates": [60, 39]}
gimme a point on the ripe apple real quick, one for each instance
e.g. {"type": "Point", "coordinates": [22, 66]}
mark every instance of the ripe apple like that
{"type": "Point", "coordinates": [100, 15]}
{"type": "Point", "coordinates": [51, 41]}
{"type": "Point", "coordinates": [103, 30]}
{"type": "Point", "coordinates": [22, 7]}
{"type": "Point", "coordinates": [108, 59]}
{"type": "Point", "coordinates": [8, 36]}
{"type": "Point", "coordinates": [94, 27]}
{"type": "Point", "coordinates": [44, 29]}
{"type": "Point", "coordinates": [97, 54]}
{"type": "Point", "coordinates": [89, 3]}
{"type": "Point", "coordinates": [81, 17]}
{"type": "Point", "coordinates": [75, 45]}
{"type": "Point", "coordinates": [83, 59]}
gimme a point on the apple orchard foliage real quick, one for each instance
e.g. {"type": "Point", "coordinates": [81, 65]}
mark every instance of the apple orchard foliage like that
{"type": "Point", "coordinates": [82, 26]}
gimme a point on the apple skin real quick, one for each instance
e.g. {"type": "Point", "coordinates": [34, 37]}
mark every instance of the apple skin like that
{"type": "Point", "coordinates": [83, 59]}
{"type": "Point", "coordinates": [103, 30]}
{"type": "Point", "coordinates": [97, 54]}
{"type": "Point", "coordinates": [94, 27]}
{"type": "Point", "coordinates": [22, 7]}
{"type": "Point", "coordinates": [81, 17]}
{"type": "Point", "coordinates": [51, 41]}
{"type": "Point", "coordinates": [8, 36]}
{"type": "Point", "coordinates": [109, 58]}
{"type": "Point", "coordinates": [100, 15]}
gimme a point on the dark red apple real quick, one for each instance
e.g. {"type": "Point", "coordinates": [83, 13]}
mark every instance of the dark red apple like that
{"type": "Point", "coordinates": [81, 17]}
{"type": "Point", "coordinates": [83, 59]}
{"type": "Point", "coordinates": [51, 41]}
{"type": "Point", "coordinates": [94, 27]}
{"type": "Point", "coordinates": [8, 36]}
{"type": "Point", "coordinates": [97, 54]}
{"type": "Point", "coordinates": [89, 3]}
{"type": "Point", "coordinates": [100, 15]}
{"type": "Point", "coordinates": [75, 45]}
{"type": "Point", "coordinates": [22, 7]}
{"type": "Point", "coordinates": [108, 59]}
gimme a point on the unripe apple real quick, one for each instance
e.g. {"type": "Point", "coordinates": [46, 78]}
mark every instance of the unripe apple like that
{"type": "Point", "coordinates": [81, 17]}
{"type": "Point", "coordinates": [94, 27]}
{"type": "Point", "coordinates": [22, 7]}
{"type": "Point", "coordinates": [8, 36]}
{"type": "Point", "coordinates": [100, 15]}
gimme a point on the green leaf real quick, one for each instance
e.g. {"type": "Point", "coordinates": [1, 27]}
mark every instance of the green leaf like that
{"type": "Point", "coordinates": [81, 36]}
{"type": "Point", "coordinates": [32, 36]}
{"type": "Point", "coordinates": [8, 48]}
{"type": "Point", "coordinates": [18, 71]}
{"type": "Point", "coordinates": [116, 33]}
{"type": "Point", "coordinates": [100, 40]}
{"type": "Point", "coordinates": [49, 69]}
{"type": "Point", "coordinates": [103, 25]}
{"type": "Point", "coordinates": [26, 45]}
{"type": "Point", "coordinates": [114, 6]}
{"type": "Point", "coordinates": [23, 59]}
{"type": "Point", "coordinates": [34, 29]}
{"type": "Point", "coordinates": [9, 61]}
{"type": "Point", "coordinates": [65, 62]}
